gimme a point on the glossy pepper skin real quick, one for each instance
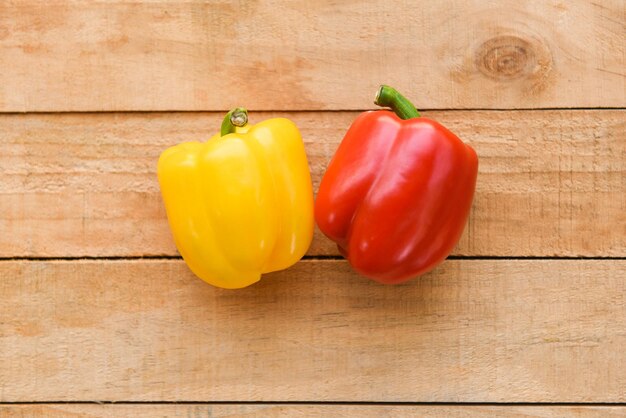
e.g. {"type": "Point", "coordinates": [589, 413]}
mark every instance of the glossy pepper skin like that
{"type": "Point", "coordinates": [240, 204]}
{"type": "Point", "coordinates": [397, 194]}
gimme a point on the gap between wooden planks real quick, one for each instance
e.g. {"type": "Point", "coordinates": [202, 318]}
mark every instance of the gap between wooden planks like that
{"type": "Point", "coordinates": [551, 183]}
{"type": "Point", "coordinates": [310, 411]}
{"type": "Point", "coordinates": [169, 55]}
{"type": "Point", "coordinates": [471, 331]}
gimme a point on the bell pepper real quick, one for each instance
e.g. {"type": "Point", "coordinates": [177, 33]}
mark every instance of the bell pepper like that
{"type": "Point", "coordinates": [240, 204]}
{"type": "Point", "coordinates": [397, 193]}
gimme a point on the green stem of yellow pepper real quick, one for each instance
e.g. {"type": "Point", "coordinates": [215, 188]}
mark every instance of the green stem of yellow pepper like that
{"type": "Point", "coordinates": [389, 97]}
{"type": "Point", "coordinates": [234, 119]}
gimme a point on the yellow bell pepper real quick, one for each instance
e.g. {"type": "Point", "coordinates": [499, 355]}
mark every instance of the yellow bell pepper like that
{"type": "Point", "coordinates": [241, 203]}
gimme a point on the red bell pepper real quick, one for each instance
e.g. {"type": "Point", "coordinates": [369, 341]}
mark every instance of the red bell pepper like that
{"type": "Point", "coordinates": [396, 195]}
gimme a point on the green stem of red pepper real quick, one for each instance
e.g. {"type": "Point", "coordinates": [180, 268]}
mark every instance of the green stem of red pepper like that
{"type": "Point", "coordinates": [234, 119]}
{"type": "Point", "coordinates": [390, 97]}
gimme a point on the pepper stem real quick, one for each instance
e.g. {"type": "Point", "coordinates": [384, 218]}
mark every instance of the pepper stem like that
{"type": "Point", "coordinates": [389, 97]}
{"type": "Point", "coordinates": [234, 119]}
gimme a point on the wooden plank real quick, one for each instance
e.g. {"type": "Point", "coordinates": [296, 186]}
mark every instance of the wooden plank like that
{"type": "Point", "coordinates": [275, 55]}
{"type": "Point", "coordinates": [472, 331]}
{"type": "Point", "coordinates": [311, 411]}
{"type": "Point", "coordinates": [550, 182]}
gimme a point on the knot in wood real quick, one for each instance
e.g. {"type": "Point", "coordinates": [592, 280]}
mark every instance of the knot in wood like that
{"type": "Point", "coordinates": [505, 57]}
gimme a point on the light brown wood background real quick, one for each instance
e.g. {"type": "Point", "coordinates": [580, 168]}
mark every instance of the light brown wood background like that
{"type": "Point", "coordinates": [528, 318]}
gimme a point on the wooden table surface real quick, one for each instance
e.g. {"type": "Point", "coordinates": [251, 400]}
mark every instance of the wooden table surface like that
{"type": "Point", "coordinates": [101, 318]}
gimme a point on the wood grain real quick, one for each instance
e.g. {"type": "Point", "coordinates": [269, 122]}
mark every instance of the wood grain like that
{"type": "Point", "coordinates": [310, 411]}
{"type": "Point", "coordinates": [550, 182]}
{"type": "Point", "coordinates": [274, 55]}
{"type": "Point", "coordinates": [472, 331]}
